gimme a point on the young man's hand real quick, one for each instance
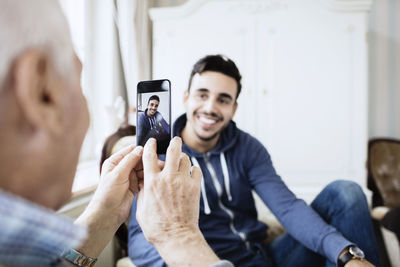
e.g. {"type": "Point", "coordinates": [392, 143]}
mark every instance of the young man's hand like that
{"type": "Point", "coordinates": [358, 263]}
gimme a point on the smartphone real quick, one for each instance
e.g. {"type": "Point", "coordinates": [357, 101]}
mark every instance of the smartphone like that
{"type": "Point", "coordinates": [153, 113]}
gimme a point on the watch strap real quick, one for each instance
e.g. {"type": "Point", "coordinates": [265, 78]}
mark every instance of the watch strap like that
{"type": "Point", "coordinates": [349, 255]}
{"type": "Point", "coordinates": [345, 258]}
{"type": "Point", "coordinates": [78, 258]}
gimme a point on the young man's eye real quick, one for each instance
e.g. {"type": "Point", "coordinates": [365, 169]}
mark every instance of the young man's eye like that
{"type": "Point", "coordinates": [224, 101]}
{"type": "Point", "coordinates": [202, 96]}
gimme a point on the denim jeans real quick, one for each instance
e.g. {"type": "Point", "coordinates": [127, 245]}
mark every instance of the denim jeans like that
{"type": "Point", "coordinates": [342, 204]}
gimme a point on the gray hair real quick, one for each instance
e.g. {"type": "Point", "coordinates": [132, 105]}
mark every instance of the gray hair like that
{"type": "Point", "coordinates": [41, 24]}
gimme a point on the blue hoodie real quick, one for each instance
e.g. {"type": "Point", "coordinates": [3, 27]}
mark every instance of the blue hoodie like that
{"type": "Point", "coordinates": [238, 165]}
{"type": "Point", "coordinates": [149, 123]}
{"type": "Point", "coordinates": [153, 126]}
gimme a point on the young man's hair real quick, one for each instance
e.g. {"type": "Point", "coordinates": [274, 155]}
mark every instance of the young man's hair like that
{"type": "Point", "coordinates": [218, 63]}
{"type": "Point", "coordinates": [153, 97]}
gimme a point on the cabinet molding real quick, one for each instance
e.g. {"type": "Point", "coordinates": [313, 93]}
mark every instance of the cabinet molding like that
{"type": "Point", "coordinates": [349, 5]}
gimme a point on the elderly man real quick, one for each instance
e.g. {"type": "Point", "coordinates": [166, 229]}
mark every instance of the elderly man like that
{"type": "Point", "coordinates": [43, 120]}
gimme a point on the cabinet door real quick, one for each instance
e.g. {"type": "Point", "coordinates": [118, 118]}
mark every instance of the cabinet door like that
{"type": "Point", "coordinates": [312, 94]}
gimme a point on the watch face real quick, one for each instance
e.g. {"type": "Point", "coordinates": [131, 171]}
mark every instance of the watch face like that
{"type": "Point", "coordinates": [357, 252]}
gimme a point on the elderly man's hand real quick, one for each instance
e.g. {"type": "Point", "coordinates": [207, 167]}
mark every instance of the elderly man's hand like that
{"type": "Point", "coordinates": [168, 207]}
{"type": "Point", "coordinates": [169, 202]}
{"type": "Point", "coordinates": [111, 203]}
{"type": "Point", "coordinates": [119, 181]}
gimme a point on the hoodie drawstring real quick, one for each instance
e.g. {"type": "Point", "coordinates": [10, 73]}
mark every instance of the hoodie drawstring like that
{"type": "Point", "coordinates": [226, 176]}
{"type": "Point", "coordinates": [219, 190]}
{"type": "Point", "coordinates": [203, 189]}
{"type": "Point", "coordinates": [152, 122]}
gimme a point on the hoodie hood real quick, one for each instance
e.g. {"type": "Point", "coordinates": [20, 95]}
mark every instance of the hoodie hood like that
{"type": "Point", "coordinates": [227, 139]}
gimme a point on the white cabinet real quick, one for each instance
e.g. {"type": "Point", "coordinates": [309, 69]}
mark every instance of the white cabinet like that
{"type": "Point", "coordinates": [304, 68]}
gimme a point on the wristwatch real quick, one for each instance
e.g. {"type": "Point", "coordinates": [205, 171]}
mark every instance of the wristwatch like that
{"type": "Point", "coordinates": [78, 258]}
{"type": "Point", "coordinates": [353, 252]}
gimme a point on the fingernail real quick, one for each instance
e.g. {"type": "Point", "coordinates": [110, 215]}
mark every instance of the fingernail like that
{"type": "Point", "coordinates": [138, 150]}
{"type": "Point", "coordinates": [151, 141]}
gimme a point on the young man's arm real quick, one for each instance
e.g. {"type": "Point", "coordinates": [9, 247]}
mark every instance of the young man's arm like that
{"type": "Point", "coordinates": [297, 217]}
{"type": "Point", "coordinates": [143, 126]}
{"type": "Point", "coordinates": [163, 123]}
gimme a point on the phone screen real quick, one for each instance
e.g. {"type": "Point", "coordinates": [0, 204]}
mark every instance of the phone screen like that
{"type": "Point", "coordinates": [153, 105]}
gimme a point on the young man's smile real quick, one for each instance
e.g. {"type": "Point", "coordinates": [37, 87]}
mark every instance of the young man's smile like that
{"type": "Point", "coordinates": [208, 122]}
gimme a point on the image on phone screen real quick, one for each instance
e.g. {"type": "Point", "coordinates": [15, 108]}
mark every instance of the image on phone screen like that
{"type": "Point", "coordinates": [153, 105]}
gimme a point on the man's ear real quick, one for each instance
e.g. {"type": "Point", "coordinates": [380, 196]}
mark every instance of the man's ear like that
{"type": "Point", "coordinates": [235, 106]}
{"type": "Point", "coordinates": [34, 88]}
{"type": "Point", "coordinates": [185, 97]}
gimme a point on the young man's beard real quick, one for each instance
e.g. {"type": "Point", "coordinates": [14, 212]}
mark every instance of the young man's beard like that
{"type": "Point", "coordinates": [217, 134]}
{"type": "Point", "coordinates": [206, 139]}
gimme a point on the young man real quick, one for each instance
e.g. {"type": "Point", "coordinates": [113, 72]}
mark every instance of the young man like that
{"type": "Point", "coordinates": [43, 120]}
{"type": "Point", "coordinates": [152, 124]}
{"type": "Point", "coordinates": [335, 229]}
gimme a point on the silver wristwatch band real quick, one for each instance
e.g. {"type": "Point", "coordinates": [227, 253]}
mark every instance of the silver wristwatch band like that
{"type": "Point", "coordinates": [78, 258]}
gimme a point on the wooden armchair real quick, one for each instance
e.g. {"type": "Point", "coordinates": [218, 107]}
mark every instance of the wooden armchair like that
{"type": "Point", "coordinates": [384, 181]}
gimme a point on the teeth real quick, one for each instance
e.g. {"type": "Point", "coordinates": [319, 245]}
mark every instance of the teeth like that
{"type": "Point", "coordinates": [208, 121]}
